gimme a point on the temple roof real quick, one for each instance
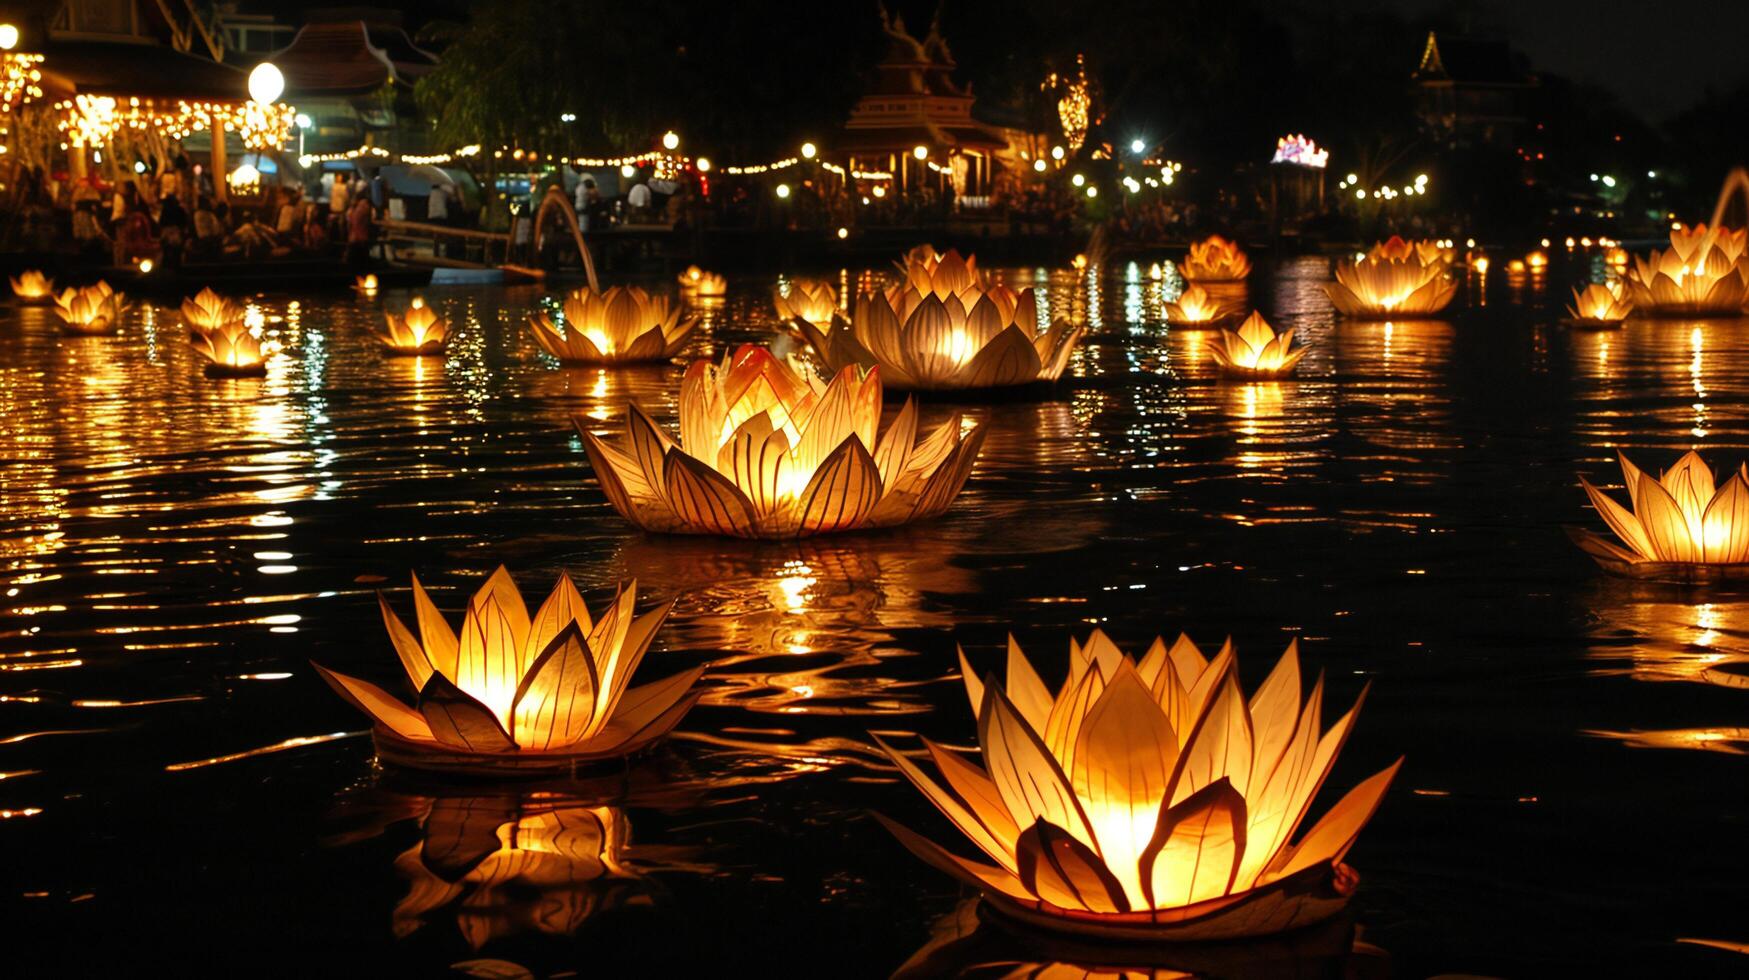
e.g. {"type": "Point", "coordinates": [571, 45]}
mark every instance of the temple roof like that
{"type": "Point", "coordinates": [334, 58]}
{"type": "Point", "coordinates": [1469, 60]}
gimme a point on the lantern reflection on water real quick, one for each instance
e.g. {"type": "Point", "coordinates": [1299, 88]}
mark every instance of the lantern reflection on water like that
{"type": "Point", "coordinates": [1683, 525]}
{"type": "Point", "coordinates": [1148, 801]}
{"type": "Point", "coordinates": [624, 324]}
{"type": "Point", "coordinates": [764, 453]}
{"type": "Point", "coordinates": [944, 328]}
{"type": "Point", "coordinates": [513, 693]}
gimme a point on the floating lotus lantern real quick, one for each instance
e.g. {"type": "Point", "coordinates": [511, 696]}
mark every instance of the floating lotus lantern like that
{"type": "Point", "coordinates": [698, 282]}
{"type": "Point", "coordinates": [1196, 308]}
{"type": "Point", "coordinates": [366, 283]}
{"type": "Point", "coordinates": [231, 351]}
{"type": "Point", "coordinates": [1616, 256]}
{"type": "Point", "coordinates": [1600, 305]}
{"type": "Point", "coordinates": [1537, 261]}
{"type": "Point", "coordinates": [1148, 801]}
{"type": "Point", "coordinates": [1683, 525]}
{"type": "Point", "coordinates": [505, 868]}
{"type": "Point", "coordinates": [1256, 350]}
{"type": "Point", "coordinates": [1705, 271]}
{"type": "Point", "coordinates": [945, 328]}
{"type": "Point", "coordinates": [813, 300]}
{"type": "Point", "coordinates": [521, 695]}
{"type": "Point", "coordinates": [765, 453]}
{"type": "Point", "coordinates": [622, 325]}
{"type": "Point", "coordinates": [207, 311]}
{"type": "Point", "coordinates": [1215, 259]}
{"type": "Point", "coordinates": [1395, 279]}
{"type": "Point", "coordinates": [91, 309]}
{"type": "Point", "coordinates": [418, 331]}
{"type": "Point", "coordinates": [31, 286]}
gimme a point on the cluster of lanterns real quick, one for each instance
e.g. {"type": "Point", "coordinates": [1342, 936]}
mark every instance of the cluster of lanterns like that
{"type": "Point", "coordinates": [1143, 799]}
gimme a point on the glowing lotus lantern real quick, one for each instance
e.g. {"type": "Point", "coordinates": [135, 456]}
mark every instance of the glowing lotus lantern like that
{"type": "Point", "coordinates": [1150, 800]}
{"type": "Point", "coordinates": [1705, 271]}
{"type": "Point", "coordinates": [1196, 308]}
{"type": "Point", "coordinates": [31, 286]}
{"type": "Point", "coordinates": [366, 283]}
{"type": "Point", "coordinates": [1683, 524]}
{"type": "Point", "coordinates": [1255, 350]}
{"type": "Point", "coordinates": [1215, 259]}
{"type": "Point", "coordinates": [622, 325]}
{"type": "Point", "coordinates": [765, 453]}
{"type": "Point", "coordinates": [698, 282]}
{"type": "Point", "coordinates": [813, 300]}
{"type": "Point", "coordinates": [1600, 305]}
{"type": "Point", "coordinates": [513, 693]}
{"type": "Point", "coordinates": [418, 331]}
{"type": "Point", "coordinates": [90, 310]}
{"type": "Point", "coordinates": [231, 351]}
{"type": "Point", "coordinates": [504, 868]}
{"type": "Point", "coordinates": [944, 328]}
{"type": "Point", "coordinates": [207, 311]}
{"type": "Point", "coordinates": [1395, 279]}
{"type": "Point", "coordinates": [1616, 256]}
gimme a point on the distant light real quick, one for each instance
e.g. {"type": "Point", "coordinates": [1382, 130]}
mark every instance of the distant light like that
{"type": "Point", "coordinates": [1420, 179]}
{"type": "Point", "coordinates": [1480, 264]}
{"type": "Point", "coordinates": [304, 121]}
{"type": "Point", "coordinates": [8, 37]}
{"type": "Point", "coordinates": [1653, 174]}
{"type": "Point", "coordinates": [1137, 146]}
{"type": "Point", "coordinates": [703, 164]}
{"type": "Point", "coordinates": [1353, 178]}
{"type": "Point", "coordinates": [783, 191]}
{"type": "Point", "coordinates": [1545, 243]}
{"type": "Point", "coordinates": [627, 170]}
{"type": "Point", "coordinates": [245, 175]}
{"type": "Point", "coordinates": [671, 140]}
{"type": "Point", "coordinates": [808, 151]}
{"type": "Point", "coordinates": [97, 155]}
{"type": "Point", "coordinates": [266, 83]}
{"type": "Point", "coordinates": [1469, 243]}
{"type": "Point", "coordinates": [843, 233]}
{"type": "Point", "coordinates": [145, 265]}
{"type": "Point", "coordinates": [1593, 178]}
{"type": "Point", "coordinates": [1056, 153]}
{"type": "Point", "coordinates": [1360, 194]}
{"type": "Point", "coordinates": [1078, 180]}
{"type": "Point", "coordinates": [880, 190]}
{"type": "Point", "coordinates": [139, 166]}
{"type": "Point", "coordinates": [1038, 165]}
{"type": "Point", "coordinates": [920, 151]}
{"type": "Point", "coordinates": [1092, 192]}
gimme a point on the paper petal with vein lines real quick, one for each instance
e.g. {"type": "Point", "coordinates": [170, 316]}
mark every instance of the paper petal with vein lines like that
{"type": "Point", "coordinates": [766, 453]}
{"type": "Point", "coordinates": [1394, 279]}
{"type": "Point", "coordinates": [625, 324]}
{"type": "Point", "coordinates": [555, 683]}
{"type": "Point", "coordinates": [1148, 795]}
{"type": "Point", "coordinates": [1686, 515]}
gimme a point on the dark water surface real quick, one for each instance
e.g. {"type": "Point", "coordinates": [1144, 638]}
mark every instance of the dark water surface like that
{"type": "Point", "coordinates": [179, 787]}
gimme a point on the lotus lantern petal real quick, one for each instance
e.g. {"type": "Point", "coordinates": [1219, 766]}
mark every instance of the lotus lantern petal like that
{"type": "Point", "coordinates": [699, 282]}
{"type": "Point", "coordinates": [1685, 523]}
{"type": "Point", "coordinates": [813, 300]}
{"type": "Point", "coordinates": [1147, 800]}
{"type": "Point", "coordinates": [1705, 271]}
{"type": "Point", "coordinates": [207, 311]}
{"type": "Point", "coordinates": [366, 283]}
{"type": "Point", "coordinates": [518, 693]}
{"type": "Point", "coordinates": [1196, 307]}
{"type": "Point", "coordinates": [91, 309]}
{"type": "Point", "coordinates": [231, 350]}
{"type": "Point", "coordinates": [765, 453]}
{"type": "Point", "coordinates": [1215, 259]}
{"type": "Point", "coordinates": [418, 331]}
{"type": "Point", "coordinates": [1256, 350]}
{"type": "Point", "coordinates": [32, 286]}
{"type": "Point", "coordinates": [1600, 305]}
{"type": "Point", "coordinates": [622, 325]}
{"type": "Point", "coordinates": [1395, 279]}
{"type": "Point", "coordinates": [946, 328]}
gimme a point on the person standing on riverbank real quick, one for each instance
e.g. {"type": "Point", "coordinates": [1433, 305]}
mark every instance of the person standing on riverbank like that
{"type": "Point", "coordinates": [358, 230]}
